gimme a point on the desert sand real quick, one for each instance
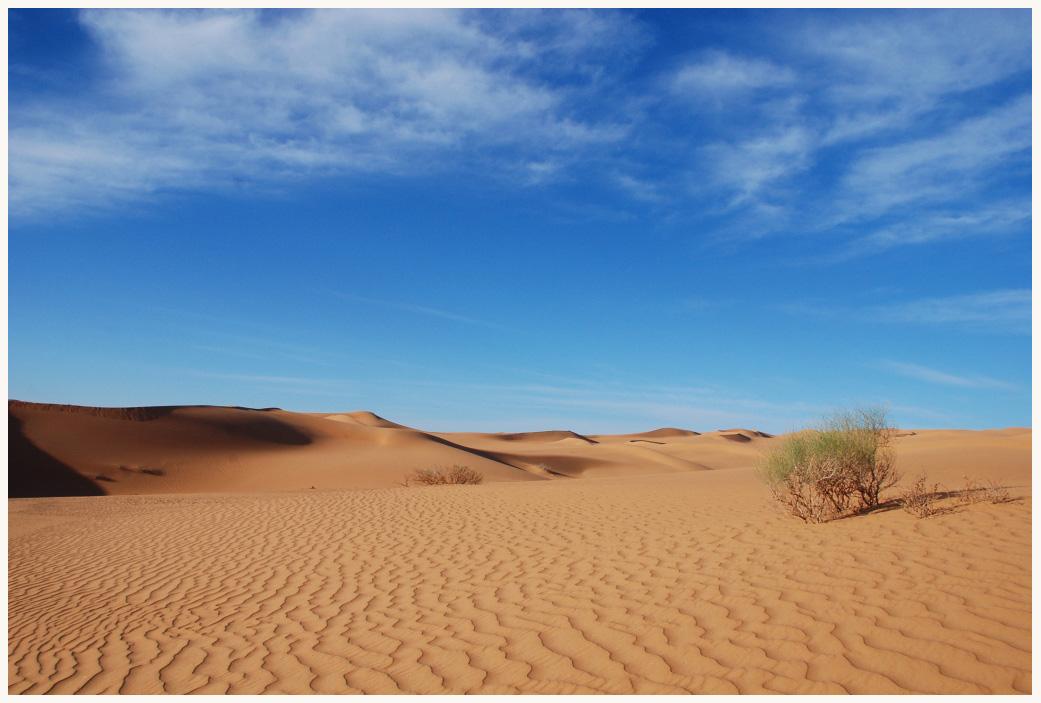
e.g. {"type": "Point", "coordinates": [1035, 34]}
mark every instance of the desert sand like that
{"type": "Point", "coordinates": [228, 550]}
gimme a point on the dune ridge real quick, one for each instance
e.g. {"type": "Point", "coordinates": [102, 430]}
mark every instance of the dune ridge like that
{"type": "Point", "coordinates": [142, 414]}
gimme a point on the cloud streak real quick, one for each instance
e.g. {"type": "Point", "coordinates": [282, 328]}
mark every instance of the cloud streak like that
{"type": "Point", "coordinates": [999, 310]}
{"type": "Point", "coordinates": [1003, 311]}
{"type": "Point", "coordinates": [923, 373]}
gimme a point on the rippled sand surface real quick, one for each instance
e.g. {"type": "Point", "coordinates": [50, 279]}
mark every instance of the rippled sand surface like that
{"type": "Point", "coordinates": [673, 583]}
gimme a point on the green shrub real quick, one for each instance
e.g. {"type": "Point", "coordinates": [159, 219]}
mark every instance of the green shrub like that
{"type": "Point", "coordinates": [842, 464]}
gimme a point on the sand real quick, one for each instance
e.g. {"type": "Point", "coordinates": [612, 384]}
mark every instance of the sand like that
{"type": "Point", "coordinates": [632, 564]}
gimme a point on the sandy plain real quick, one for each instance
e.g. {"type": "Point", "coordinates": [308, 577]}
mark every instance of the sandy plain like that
{"type": "Point", "coordinates": [228, 550]}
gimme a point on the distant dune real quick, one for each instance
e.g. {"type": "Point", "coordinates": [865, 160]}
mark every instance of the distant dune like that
{"type": "Point", "coordinates": [641, 563]}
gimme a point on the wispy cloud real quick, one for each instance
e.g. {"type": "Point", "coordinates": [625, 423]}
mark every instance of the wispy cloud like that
{"type": "Point", "coordinates": [720, 75]}
{"type": "Point", "coordinates": [941, 169]}
{"type": "Point", "coordinates": [1005, 218]}
{"type": "Point", "coordinates": [748, 167]}
{"type": "Point", "coordinates": [999, 310]}
{"type": "Point", "coordinates": [872, 54]}
{"type": "Point", "coordinates": [822, 133]}
{"type": "Point", "coordinates": [269, 96]}
{"type": "Point", "coordinates": [1006, 311]}
{"type": "Point", "coordinates": [855, 139]}
{"type": "Point", "coordinates": [923, 373]}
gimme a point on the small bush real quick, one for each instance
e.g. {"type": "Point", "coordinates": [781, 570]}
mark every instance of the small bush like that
{"type": "Point", "coordinates": [973, 490]}
{"type": "Point", "coordinates": [920, 499]}
{"type": "Point", "coordinates": [997, 492]}
{"type": "Point", "coordinates": [976, 491]}
{"type": "Point", "coordinates": [842, 464]}
{"type": "Point", "coordinates": [439, 476]}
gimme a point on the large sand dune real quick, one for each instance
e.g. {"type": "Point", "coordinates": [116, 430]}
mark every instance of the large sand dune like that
{"type": "Point", "coordinates": [72, 450]}
{"type": "Point", "coordinates": [643, 563]}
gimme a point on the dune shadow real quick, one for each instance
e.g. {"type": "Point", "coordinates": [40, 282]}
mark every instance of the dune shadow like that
{"type": "Point", "coordinates": [33, 473]}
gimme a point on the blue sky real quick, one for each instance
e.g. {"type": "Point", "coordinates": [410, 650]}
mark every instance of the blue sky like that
{"type": "Point", "coordinates": [604, 221]}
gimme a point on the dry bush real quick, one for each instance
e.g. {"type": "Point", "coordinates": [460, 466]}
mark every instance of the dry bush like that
{"type": "Point", "coordinates": [920, 499]}
{"type": "Point", "coordinates": [842, 465]}
{"type": "Point", "coordinates": [996, 492]}
{"type": "Point", "coordinates": [976, 491]}
{"type": "Point", "coordinates": [973, 490]}
{"type": "Point", "coordinates": [810, 497]}
{"type": "Point", "coordinates": [439, 476]}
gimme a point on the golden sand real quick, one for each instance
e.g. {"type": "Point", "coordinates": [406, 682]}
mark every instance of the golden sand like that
{"type": "Point", "coordinates": [662, 579]}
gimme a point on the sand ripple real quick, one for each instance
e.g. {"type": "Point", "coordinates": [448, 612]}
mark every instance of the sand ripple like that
{"type": "Point", "coordinates": [666, 584]}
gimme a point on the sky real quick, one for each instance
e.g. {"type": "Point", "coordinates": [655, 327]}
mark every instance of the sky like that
{"type": "Point", "coordinates": [604, 221]}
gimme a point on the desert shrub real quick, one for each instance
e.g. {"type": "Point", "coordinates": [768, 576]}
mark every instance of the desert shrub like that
{"type": "Point", "coordinates": [972, 491]}
{"type": "Point", "coordinates": [439, 476]}
{"type": "Point", "coordinates": [843, 463]}
{"type": "Point", "coordinates": [997, 492]}
{"type": "Point", "coordinates": [921, 499]}
{"type": "Point", "coordinates": [976, 491]}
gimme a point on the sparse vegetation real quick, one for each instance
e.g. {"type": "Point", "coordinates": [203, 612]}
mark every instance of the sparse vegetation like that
{"type": "Point", "coordinates": [439, 476]}
{"type": "Point", "coordinates": [921, 499]}
{"type": "Point", "coordinates": [997, 492]}
{"type": "Point", "coordinates": [840, 465]}
{"type": "Point", "coordinates": [976, 491]}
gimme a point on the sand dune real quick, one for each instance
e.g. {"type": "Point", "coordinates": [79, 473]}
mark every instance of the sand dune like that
{"type": "Point", "coordinates": [201, 449]}
{"type": "Point", "coordinates": [662, 569]}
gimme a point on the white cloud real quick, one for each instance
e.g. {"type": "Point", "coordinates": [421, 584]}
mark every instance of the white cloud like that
{"type": "Point", "coordinates": [1000, 219]}
{"type": "Point", "coordinates": [840, 128]}
{"type": "Point", "coordinates": [940, 168]}
{"type": "Point", "coordinates": [721, 75]}
{"type": "Point", "coordinates": [199, 98]}
{"type": "Point", "coordinates": [866, 117]}
{"type": "Point", "coordinates": [884, 71]}
{"type": "Point", "coordinates": [638, 188]}
{"type": "Point", "coordinates": [749, 167]}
